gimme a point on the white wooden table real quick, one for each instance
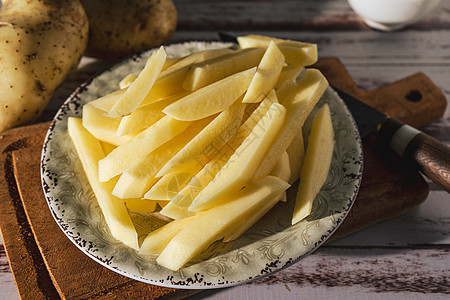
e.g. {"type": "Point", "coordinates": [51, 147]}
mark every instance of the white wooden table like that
{"type": "Point", "coordinates": [404, 258]}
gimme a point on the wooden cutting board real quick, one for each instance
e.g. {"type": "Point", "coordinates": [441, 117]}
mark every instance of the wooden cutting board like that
{"type": "Point", "coordinates": [46, 265]}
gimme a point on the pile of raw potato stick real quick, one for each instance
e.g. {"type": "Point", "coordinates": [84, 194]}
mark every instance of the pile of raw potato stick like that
{"type": "Point", "coordinates": [211, 140]}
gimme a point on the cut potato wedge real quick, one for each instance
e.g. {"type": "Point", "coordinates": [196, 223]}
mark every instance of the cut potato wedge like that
{"type": "Point", "coordinates": [171, 184]}
{"type": "Point", "coordinates": [157, 240]}
{"type": "Point", "coordinates": [296, 153]}
{"type": "Point", "coordinates": [139, 178]}
{"type": "Point", "coordinates": [215, 69]}
{"type": "Point", "coordinates": [107, 147]}
{"type": "Point", "coordinates": [199, 151]}
{"type": "Point", "coordinates": [196, 58]}
{"type": "Point", "coordinates": [266, 75]}
{"type": "Point", "coordinates": [114, 210]}
{"type": "Point", "coordinates": [170, 81]}
{"type": "Point", "coordinates": [175, 211]}
{"type": "Point", "coordinates": [299, 104]}
{"type": "Point", "coordinates": [145, 116]}
{"type": "Point", "coordinates": [102, 127]}
{"type": "Point", "coordinates": [285, 88]}
{"type": "Point", "coordinates": [242, 165]}
{"type": "Point", "coordinates": [212, 98]}
{"type": "Point", "coordinates": [166, 86]}
{"type": "Point", "coordinates": [142, 206]}
{"type": "Point", "coordinates": [140, 146]}
{"type": "Point", "coordinates": [296, 53]}
{"type": "Point", "coordinates": [106, 102]}
{"type": "Point", "coordinates": [288, 73]}
{"type": "Point", "coordinates": [178, 207]}
{"type": "Point", "coordinates": [282, 170]}
{"type": "Point", "coordinates": [139, 88]}
{"type": "Point", "coordinates": [127, 81]}
{"type": "Point", "coordinates": [213, 224]}
{"type": "Point", "coordinates": [319, 153]}
{"type": "Point", "coordinates": [250, 220]}
{"type": "Point", "coordinates": [130, 186]}
{"type": "Point", "coordinates": [170, 61]}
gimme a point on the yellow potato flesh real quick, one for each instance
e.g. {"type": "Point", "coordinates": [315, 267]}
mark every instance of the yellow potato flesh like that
{"type": "Point", "coordinates": [141, 145]}
{"type": "Point", "coordinates": [170, 61]}
{"type": "Point", "coordinates": [299, 104]}
{"type": "Point", "coordinates": [166, 86]}
{"type": "Point", "coordinates": [106, 102]}
{"type": "Point", "coordinates": [157, 240]}
{"type": "Point", "coordinates": [266, 75]}
{"type": "Point", "coordinates": [288, 73]}
{"type": "Point", "coordinates": [212, 98]}
{"type": "Point", "coordinates": [218, 68]}
{"type": "Point", "coordinates": [299, 56]}
{"type": "Point", "coordinates": [178, 207]}
{"type": "Point", "coordinates": [296, 153]}
{"type": "Point", "coordinates": [135, 181]}
{"type": "Point", "coordinates": [243, 225]}
{"type": "Point", "coordinates": [102, 127]}
{"type": "Point", "coordinates": [142, 206]}
{"type": "Point", "coordinates": [170, 184]}
{"type": "Point", "coordinates": [116, 215]}
{"type": "Point", "coordinates": [200, 150]}
{"type": "Point", "coordinates": [214, 223]}
{"type": "Point", "coordinates": [296, 53]}
{"type": "Point", "coordinates": [282, 170]}
{"type": "Point", "coordinates": [241, 166]}
{"type": "Point", "coordinates": [140, 87]}
{"type": "Point", "coordinates": [107, 147]}
{"type": "Point", "coordinates": [175, 211]}
{"type": "Point", "coordinates": [195, 58]}
{"type": "Point", "coordinates": [170, 81]}
{"type": "Point", "coordinates": [144, 116]}
{"type": "Point", "coordinates": [127, 81]}
{"type": "Point", "coordinates": [318, 156]}
{"type": "Point", "coordinates": [285, 88]}
{"type": "Point", "coordinates": [130, 186]}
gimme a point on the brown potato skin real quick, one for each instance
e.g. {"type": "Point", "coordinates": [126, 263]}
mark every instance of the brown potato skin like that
{"type": "Point", "coordinates": [119, 28]}
{"type": "Point", "coordinates": [41, 42]}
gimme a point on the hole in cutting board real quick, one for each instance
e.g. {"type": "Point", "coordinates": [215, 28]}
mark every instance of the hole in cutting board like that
{"type": "Point", "coordinates": [413, 96]}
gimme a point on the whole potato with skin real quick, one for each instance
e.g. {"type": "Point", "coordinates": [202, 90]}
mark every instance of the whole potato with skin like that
{"type": "Point", "coordinates": [40, 43]}
{"type": "Point", "coordinates": [119, 28]}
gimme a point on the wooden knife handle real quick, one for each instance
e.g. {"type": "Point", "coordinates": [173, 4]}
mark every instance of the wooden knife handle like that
{"type": "Point", "coordinates": [432, 158]}
{"type": "Point", "coordinates": [429, 155]}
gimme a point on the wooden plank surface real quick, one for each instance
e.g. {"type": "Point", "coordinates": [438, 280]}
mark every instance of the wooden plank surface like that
{"type": "Point", "coordinates": [285, 15]}
{"type": "Point", "coordinates": [373, 59]}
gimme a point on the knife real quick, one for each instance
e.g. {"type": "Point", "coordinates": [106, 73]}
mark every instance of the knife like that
{"type": "Point", "coordinates": [425, 153]}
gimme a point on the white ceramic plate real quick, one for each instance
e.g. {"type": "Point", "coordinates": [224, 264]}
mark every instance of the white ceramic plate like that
{"type": "Point", "coordinates": [269, 246]}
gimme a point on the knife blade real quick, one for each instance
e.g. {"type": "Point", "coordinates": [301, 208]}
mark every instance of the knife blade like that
{"type": "Point", "coordinates": [427, 154]}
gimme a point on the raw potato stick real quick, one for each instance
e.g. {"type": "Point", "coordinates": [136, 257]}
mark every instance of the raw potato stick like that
{"type": "Point", "coordinates": [116, 215]}
{"type": "Point", "coordinates": [213, 224]}
{"type": "Point", "coordinates": [319, 153]}
{"type": "Point", "coordinates": [140, 87]}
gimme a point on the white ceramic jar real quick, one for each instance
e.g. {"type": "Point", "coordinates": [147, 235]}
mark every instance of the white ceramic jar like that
{"type": "Point", "coordinates": [389, 15]}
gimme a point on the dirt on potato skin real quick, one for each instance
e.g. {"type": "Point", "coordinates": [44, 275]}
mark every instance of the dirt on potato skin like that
{"type": "Point", "coordinates": [121, 28]}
